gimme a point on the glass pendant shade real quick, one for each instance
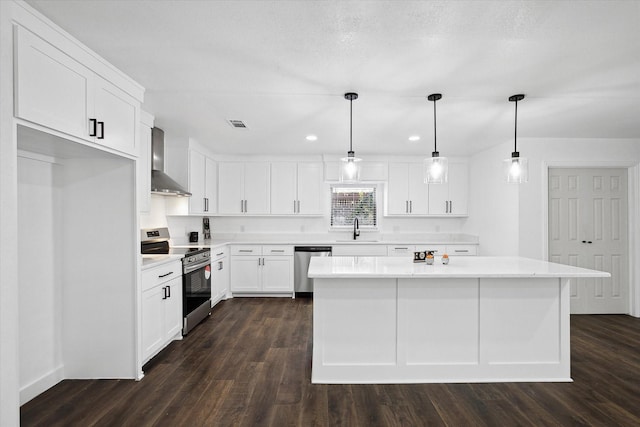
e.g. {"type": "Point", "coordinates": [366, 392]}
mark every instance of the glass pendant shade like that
{"type": "Point", "coordinates": [350, 169]}
{"type": "Point", "coordinates": [516, 170]}
{"type": "Point", "coordinates": [436, 170]}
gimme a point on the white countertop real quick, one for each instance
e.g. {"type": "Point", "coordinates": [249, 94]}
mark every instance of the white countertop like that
{"type": "Point", "coordinates": [332, 239]}
{"type": "Point", "coordinates": [458, 267]}
{"type": "Point", "coordinates": [150, 261]}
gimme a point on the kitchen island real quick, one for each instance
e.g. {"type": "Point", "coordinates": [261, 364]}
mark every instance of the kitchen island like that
{"type": "Point", "coordinates": [477, 319]}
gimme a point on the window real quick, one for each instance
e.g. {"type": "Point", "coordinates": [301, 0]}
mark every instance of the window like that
{"type": "Point", "coordinates": [348, 203]}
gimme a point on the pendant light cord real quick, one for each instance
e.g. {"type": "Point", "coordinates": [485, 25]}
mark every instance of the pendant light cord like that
{"type": "Point", "coordinates": [435, 139]}
{"type": "Point", "coordinates": [351, 125]}
{"type": "Point", "coordinates": [515, 132]}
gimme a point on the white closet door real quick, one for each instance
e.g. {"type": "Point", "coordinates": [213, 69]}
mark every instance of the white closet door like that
{"type": "Point", "coordinates": [588, 228]}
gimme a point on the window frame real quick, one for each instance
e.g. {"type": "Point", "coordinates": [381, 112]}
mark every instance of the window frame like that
{"type": "Point", "coordinates": [376, 188]}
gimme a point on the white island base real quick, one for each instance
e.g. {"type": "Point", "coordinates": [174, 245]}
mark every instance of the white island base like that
{"type": "Point", "coordinates": [439, 324]}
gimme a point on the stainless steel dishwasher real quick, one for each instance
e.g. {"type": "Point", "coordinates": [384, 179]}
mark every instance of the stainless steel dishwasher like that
{"type": "Point", "coordinates": [302, 256]}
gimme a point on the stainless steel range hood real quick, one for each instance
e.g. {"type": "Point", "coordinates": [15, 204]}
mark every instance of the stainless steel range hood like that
{"type": "Point", "coordinates": [161, 183]}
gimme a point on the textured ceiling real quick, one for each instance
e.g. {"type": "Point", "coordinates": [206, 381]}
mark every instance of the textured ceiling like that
{"type": "Point", "coordinates": [283, 67]}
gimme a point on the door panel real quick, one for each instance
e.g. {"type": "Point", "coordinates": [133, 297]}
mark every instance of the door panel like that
{"type": "Point", "coordinates": [588, 228]}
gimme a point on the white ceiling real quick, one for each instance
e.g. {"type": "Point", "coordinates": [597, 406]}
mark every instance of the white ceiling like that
{"type": "Point", "coordinates": [283, 67]}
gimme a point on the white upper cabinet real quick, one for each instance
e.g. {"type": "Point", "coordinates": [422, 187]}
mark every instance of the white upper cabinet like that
{"type": "Point", "coordinates": [203, 183]}
{"type": "Point", "coordinates": [450, 199]}
{"type": "Point", "coordinates": [407, 194]}
{"type": "Point", "coordinates": [284, 188]}
{"type": "Point", "coordinates": [56, 91]}
{"type": "Point", "coordinates": [296, 188]}
{"type": "Point", "coordinates": [244, 188]}
{"type": "Point", "coordinates": [117, 115]}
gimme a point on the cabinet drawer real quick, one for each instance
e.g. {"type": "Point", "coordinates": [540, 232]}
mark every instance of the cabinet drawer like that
{"type": "Point", "coordinates": [160, 274]}
{"type": "Point", "coordinates": [400, 250]}
{"type": "Point", "coordinates": [219, 253]}
{"type": "Point", "coordinates": [277, 250]}
{"type": "Point", "coordinates": [436, 249]}
{"type": "Point", "coordinates": [462, 250]}
{"type": "Point", "coordinates": [246, 250]}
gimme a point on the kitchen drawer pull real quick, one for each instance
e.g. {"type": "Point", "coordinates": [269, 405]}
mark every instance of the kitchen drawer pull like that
{"type": "Point", "coordinates": [401, 249]}
{"type": "Point", "coordinates": [93, 122]}
{"type": "Point", "coordinates": [461, 250]}
{"type": "Point", "coordinates": [249, 251]}
{"type": "Point", "coordinates": [101, 130]}
{"type": "Point", "coordinates": [165, 275]}
{"type": "Point", "coordinates": [221, 253]}
{"type": "Point", "coordinates": [277, 250]}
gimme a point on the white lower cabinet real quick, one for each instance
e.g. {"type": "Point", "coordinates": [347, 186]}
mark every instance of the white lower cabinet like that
{"type": "Point", "coordinates": [219, 276]}
{"type": "Point", "coordinates": [257, 269]}
{"type": "Point", "coordinates": [161, 307]}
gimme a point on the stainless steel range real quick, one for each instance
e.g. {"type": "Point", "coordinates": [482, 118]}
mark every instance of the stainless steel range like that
{"type": "Point", "coordinates": [196, 274]}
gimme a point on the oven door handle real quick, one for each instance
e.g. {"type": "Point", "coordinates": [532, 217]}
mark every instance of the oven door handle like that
{"type": "Point", "coordinates": [191, 268]}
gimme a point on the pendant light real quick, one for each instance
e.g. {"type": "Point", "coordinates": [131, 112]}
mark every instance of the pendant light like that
{"type": "Point", "coordinates": [350, 170]}
{"type": "Point", "coordinates": [516, 168]}
{"type": "Point", "coordinates": [436, 168]}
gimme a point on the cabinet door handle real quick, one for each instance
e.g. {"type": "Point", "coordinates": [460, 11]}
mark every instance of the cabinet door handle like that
{"type": "Point", "coordinates": [168, 291]}
{"type": "Point", "coordinates": [450, 206]}
{"type": "Point", "coordinates": [93, 122]}
{"type": "Point", "coordinates": [410, 206]}
{"type": "Point", "coordinates": [101, 130]}
{"type": "Point", "coordinates": [298, 206]}
{"type": "Point", "coordinates": [220, 267]}
{"type": "Point", "coordinates": [165, 275]}
{"type": "Point", "coordinates": [406, 206]}
{"type": "Point", "coordinates": [245, 206]}
{"type": "Point", "coordinates": [164, 292]}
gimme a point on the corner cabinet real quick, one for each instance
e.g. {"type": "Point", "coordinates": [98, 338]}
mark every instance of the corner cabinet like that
{"type": "Point", "coordinates": [203, 184]}
{"type": "Point", "coordinates": [296, 188]}
{"type": "Point", "coordinates": [408, 195]}
{"type": "Point", "coordinates": [259, 269]}
{"type": "Point", "coordinates": [55, 91]}
{"type": "Point", "coordinates": [161, 307]}
{"type": "Point", "coordinates": [244, 188]}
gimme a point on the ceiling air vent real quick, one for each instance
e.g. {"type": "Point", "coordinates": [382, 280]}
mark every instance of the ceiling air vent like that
{"type": "Point", "coordinates": [238, 124]}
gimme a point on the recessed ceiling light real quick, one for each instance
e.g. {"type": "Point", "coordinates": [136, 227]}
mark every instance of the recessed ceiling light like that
{"type": "Point", "coordinates": [414, 138]}
{"type": "Point", "coordinates": [311, 138]}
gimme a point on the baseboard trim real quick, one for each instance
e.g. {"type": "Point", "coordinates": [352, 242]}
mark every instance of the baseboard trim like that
{"type": "Point", "coordinates": [41, 385]}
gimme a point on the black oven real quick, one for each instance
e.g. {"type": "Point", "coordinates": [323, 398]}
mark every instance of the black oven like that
{"type": "Point", "coordinates": [196, 289]}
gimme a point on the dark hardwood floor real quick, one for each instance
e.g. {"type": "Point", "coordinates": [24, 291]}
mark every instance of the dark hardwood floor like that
{"type": "Point", "coordinates": [250, 365]}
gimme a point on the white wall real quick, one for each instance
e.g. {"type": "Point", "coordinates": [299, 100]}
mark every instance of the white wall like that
{"type": "Point", "coordinates": [493, 204]}
{"type": "Point", "coordinates": [39, 282]}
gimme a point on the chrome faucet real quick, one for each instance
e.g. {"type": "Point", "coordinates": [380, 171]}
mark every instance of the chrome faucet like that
{"type": "Point", "coordinates": [356, 228]}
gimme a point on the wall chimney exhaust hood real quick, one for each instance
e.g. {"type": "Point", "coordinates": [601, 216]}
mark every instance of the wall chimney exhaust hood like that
{"type": "Point", "coordinates": [161, 183]}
